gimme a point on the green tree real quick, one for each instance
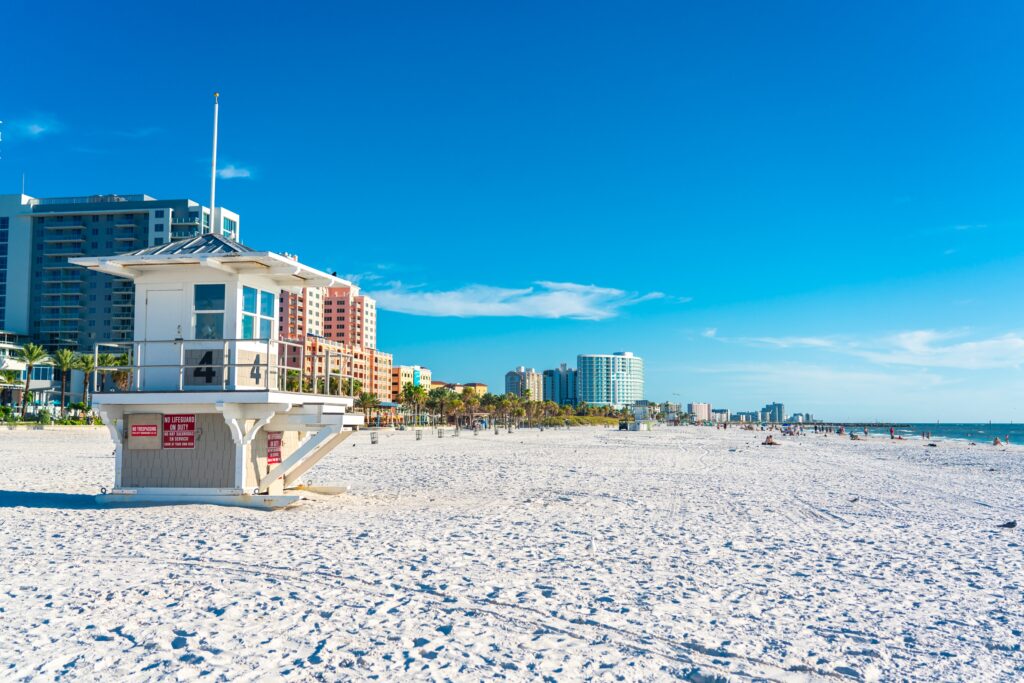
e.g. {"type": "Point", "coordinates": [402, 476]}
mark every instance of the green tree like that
{"type": "Point", "coordinates": [416, 397]}
{"type": "Point", "coordinates": [87, 364]}
{"type": "Point", "coordinates": [64, 361]}
{"type": "Point", "coordinates": [367, 402]}
{"type": "Point", "coordinates": [105, 365]}
{"type": "Point", "coordinates": [31, 355]}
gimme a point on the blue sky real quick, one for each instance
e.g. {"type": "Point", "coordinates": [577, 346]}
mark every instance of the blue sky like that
{"type": "Point", "coordinates": [818, 203]}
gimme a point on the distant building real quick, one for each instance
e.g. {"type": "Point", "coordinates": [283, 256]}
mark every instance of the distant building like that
{"type": "Point", "coordinates": [720, 415]}
{"type": "Point", "coordinates": [56, 303]}
{"type": "Point", "coordinates": [699, 412]}
{"type": "Point", "coordinates": [408, 374]}
{"type": "Point", "coordinates": [350, 317]}
{"type": "Point", "coordinates": [645, 410]}
{"type": "Point", "coordinates": [522, 380]}
{"type": "Point", "coordinates": [478, 388]}
{"type": "Point", "coordinates": [301, 313]}
{"type": "Point", "coordinates": [776, 412]}
{"type": "Point", "coordinates": [560, 385]}
{"type": "Point", "coordinates": [614, 380]}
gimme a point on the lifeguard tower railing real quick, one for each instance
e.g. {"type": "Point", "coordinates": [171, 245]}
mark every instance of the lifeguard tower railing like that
{"type": "Point", "coordinates": [196, 365]}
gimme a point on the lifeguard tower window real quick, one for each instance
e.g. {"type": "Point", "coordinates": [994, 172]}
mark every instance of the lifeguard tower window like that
{"type": "Point", "coordinates": [258, 308]}
{"type": "Point", "coordinates": [208, 304]}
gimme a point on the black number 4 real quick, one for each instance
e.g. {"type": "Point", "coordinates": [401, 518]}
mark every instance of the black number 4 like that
{"type": "Point", "coordinates": [207, 372]}
{"type": "Point", "coordinates": [255, 373]}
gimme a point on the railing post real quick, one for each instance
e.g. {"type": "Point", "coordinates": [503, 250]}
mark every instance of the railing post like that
{"type": "Point", "coordinates": [327, 372]}
{"type": "Point", "coordinates": [228, 365]}
{"type": "Point", "coordinates": [181, 365]}
{"type": "Point", "coordinates": [138, 366]}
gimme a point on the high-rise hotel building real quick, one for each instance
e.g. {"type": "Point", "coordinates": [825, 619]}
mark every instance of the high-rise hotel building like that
{"type": "Point", "coordinates": [58, 304]}
{"type": "Point", "coordinates": [343, 321]}
{"type": "Point", "coordinates": [615, 379]}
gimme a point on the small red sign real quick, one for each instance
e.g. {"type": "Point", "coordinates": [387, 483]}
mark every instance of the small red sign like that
{"type": "Point", "coordinates": [179, 431]}
{"type": "Point", "coordinates": [143, 430]}
{"type": "Point", "coordinates": [274, 448]}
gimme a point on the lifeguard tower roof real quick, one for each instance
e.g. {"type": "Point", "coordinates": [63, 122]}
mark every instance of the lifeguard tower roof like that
{"type": "Point", "coordinates": [215, 251]}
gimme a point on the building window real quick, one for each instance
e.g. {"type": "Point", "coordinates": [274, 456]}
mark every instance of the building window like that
{"type": "Point", "coordinates": [159, 213]}
{"type": "Point", "coordinates": [257, 313]}
{"type": "Point", "coordinates": [159, 227]}
{"type": "Point", "coordinates": [208, 304]}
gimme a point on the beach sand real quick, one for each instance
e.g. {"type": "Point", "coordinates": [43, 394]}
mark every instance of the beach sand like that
{"type": "Point", "coordinates": [684, 552]}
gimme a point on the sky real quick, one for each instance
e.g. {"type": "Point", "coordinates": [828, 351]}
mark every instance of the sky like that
{"type": "Point", "coordinates": [806, 202]}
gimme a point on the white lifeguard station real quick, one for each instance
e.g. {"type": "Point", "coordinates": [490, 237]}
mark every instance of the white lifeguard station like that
{"type": "Point", "coordinates": [205, 407]}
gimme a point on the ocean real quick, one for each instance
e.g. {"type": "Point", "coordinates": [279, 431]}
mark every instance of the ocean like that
{"type": "Point", "coordinates": [979, 433]}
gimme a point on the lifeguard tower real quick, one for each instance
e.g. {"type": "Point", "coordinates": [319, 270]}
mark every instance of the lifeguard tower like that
{"type": "Point", "coordinates": [208, 404]}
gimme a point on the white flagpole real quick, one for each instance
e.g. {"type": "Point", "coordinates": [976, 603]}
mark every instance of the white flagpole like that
{"type": "Point", "coordinates": [213, 168]}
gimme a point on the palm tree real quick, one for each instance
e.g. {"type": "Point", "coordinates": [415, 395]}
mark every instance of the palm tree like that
{"type": "Point", "coordinates": [31, 355]}
{"type": "Point", "coordinates": [367, 402]}
{"type": "Point", "coordinates": [123, 375]}
{"type": "Point", "coordinates": [64, 361]}
{"type": "Point", "coordinates": [8, 379]}
{"type": "Point", "coordinates": [87, 364]}
{"type": "Point", "coordinates": [354, 386]}
{"type": "Point", "coordinates": [438, 401]}
{"type": "Point", "coordinates": [106, 363]}
{"type": "Point", "coordinates": [470, 402]}
{"type": "Point", "coordinates": [455, 405]}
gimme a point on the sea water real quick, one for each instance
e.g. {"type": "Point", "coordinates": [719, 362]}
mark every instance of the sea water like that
{"type": "Point", "coordinates": [976, 432]}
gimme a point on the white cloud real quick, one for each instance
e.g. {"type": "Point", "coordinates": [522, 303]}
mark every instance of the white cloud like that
{"type": "Point", "coordinates": [930, 348]}
{"type": "Point", "coordinates": [970, 226]}
{"type": "Point", "coordinates": [710, 332]}
{"type": "Point", "coordinates": [919, 348]}
{"type": "Point", "coordinates": [776, 342]}
{"type": "Point", "coordinates": [544, 300]}
{"type": "Point", "coordinates": [34, 128]}
{"type": "Point", "coordinates": [232, 171]}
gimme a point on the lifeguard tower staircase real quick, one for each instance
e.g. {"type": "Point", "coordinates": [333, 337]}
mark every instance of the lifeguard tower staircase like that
{"type": "Point", "coordinates": [206, 404]}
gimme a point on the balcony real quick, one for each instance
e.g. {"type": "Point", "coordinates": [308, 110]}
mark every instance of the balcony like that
{"type": "Point", "coordinates": [58, 227]}
{"type": "Point", "coordinates": [63, 303]}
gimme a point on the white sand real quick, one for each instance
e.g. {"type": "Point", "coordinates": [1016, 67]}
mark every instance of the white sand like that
{"type": "Point", "coordinates": [590, 553]}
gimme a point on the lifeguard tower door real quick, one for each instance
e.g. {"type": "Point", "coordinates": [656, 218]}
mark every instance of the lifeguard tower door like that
{"type": "Point", "coordinates": [162, 318]}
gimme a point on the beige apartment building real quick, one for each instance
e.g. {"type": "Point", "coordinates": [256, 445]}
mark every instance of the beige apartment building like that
{"type": "Point", "coordinates": [408, 374]}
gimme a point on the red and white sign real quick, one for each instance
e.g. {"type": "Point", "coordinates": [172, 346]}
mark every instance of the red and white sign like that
{"type": "Point", "coordinates": [144, 430]}
{"type": "Point", "coordinates": [179, 431]}
{"type": "Point", "coordinates": [274, 448]}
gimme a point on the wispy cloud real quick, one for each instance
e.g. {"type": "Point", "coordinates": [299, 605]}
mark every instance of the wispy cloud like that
{"type": "Point", "coordinates": [775, 342]}
{"type": "Point", "coordinates": [231, 171]}
{"type": "Point", "coordinates": [931, 348]}
{"type": "Point", "coordinates": [969, 226]}
{"type": "Point", "coordinates": [34, 127]}
{"type": "Point", "coordinates": [919, 348]}
{"type": "Point", "coordinates": [543, 300]}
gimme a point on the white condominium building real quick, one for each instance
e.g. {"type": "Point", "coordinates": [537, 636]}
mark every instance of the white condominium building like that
{"type": "Point", "coordinates": [610, 379]}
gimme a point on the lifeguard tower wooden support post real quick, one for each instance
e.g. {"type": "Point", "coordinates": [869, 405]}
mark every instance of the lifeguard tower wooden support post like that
{"type": "Point", "coordinates": [206, 404]}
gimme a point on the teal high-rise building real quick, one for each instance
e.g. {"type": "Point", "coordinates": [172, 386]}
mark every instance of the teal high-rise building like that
{"type": "Point", "coordinates": [610, 379]}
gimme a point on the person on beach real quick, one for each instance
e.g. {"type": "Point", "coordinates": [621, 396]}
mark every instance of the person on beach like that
{"type": "Point", "coordinates": [892, 432]}
{"type": "Point", "coordinates": [997, 442]}
{"type": "Point", "coordinates": [769, 441]}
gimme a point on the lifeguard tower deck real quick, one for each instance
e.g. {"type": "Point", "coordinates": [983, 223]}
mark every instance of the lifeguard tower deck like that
{"type": "Point", "coordinates": [207, 405]}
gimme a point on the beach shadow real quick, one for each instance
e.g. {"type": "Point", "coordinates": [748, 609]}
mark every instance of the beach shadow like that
{"type": "Point", "coordinates": [43, 499]}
